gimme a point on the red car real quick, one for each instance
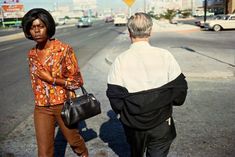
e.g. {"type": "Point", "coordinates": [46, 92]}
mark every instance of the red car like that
{"type": "Point", "coordinates": [109, 19]}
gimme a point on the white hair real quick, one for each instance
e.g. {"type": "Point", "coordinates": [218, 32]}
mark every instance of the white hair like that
{"type": "Point", "coordinates": [140, 25]}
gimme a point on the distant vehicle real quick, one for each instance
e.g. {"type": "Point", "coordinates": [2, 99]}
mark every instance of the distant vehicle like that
{"type": "Point", "coordinates": [202, 13]}
{"type": "Point", "coordinates": [120, 19]}
{"type": "Point", "coordinates": [12, 22]}
{"type": "Point", "coordinates": [200, 23]}
{"type": "Point", "coordinates": [225, 22]}
{"type": "Point", "coordinates": [85, 21]}
{"type": "Point", "coordinates": [65, 21]}
{"type": "Point", "coordinates": [109, 19]}
{"type": "Point", "coordinates": [60, 21]}
{"type": "Point", "coordinates": [16, 25]}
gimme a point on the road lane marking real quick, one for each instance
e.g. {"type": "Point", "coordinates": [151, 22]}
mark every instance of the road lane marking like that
{"type": "Point", "coordinates": [92, 34]}
{"type": "Point", "coordinates": [188, 31]}
{"type": "Point", "coordinates": [7, 48]}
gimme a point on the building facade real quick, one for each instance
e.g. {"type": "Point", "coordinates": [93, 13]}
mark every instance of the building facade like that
{"type": "Point", "coordinates": [215, 6]}
{"type": "Point", "coordinates": [89, 7]}
{"type": "Point", "coordinates": [221, 6]}
{"type": "Point", "coordinates": [230, 5]}
{"type": "Point", "coordinates": [161, 6]}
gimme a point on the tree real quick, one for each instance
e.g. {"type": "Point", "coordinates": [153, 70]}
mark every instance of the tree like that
{"type": "Point", "coordinates": [186, 13]}
{"type": "Point", "coordinates": [169, 15]}
{"type": "Point", "coordinates": [66, 17]}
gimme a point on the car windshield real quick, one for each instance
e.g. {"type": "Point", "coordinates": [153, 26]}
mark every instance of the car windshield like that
{"type": "Point", "coordinates": [220, 17]}
{"type": "Point", "coordinates": [84, 19]}
{"type": "Point", "coordinates": [226, 17]}
{"type": "Point", "coordinates": [121, 16]}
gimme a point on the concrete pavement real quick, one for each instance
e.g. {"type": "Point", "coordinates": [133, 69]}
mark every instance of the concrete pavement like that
{"type": "Point", "coordinates": [110, 141]}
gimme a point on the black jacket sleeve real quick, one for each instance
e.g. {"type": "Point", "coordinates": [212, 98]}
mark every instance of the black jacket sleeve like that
{"type": "Point", "coordinates": [116, 94]}
{"type": "Point", "coordinates": [181, 91]}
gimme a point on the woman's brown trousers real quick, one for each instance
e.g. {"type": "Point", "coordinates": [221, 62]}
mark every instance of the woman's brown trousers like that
{"type": "Point", "coordinates": [44, 121]}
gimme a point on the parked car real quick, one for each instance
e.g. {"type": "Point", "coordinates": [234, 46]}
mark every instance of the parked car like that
{"type": "Point", "coordinates": [84, 22]}
{"type": "Point", "coordinates": [120, 19]}
{"type": "Point", "coordinates": [16, 25]}
{"type": "Point", "coordinates": [109, 19]}
{"type": "Point", "coordinates": [225, 22]}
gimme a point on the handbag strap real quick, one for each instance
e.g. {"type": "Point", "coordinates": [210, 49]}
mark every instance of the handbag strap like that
{"type": "Point", "coordinates": [84, 90]}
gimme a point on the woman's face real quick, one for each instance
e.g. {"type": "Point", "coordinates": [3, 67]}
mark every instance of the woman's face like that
{"type": "Point", "coordinates": [38, 31]}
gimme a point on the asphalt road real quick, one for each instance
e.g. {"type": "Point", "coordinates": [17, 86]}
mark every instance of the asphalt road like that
{"type": "Point", "coordinates": [15, 89]}
{"type": "Point", "coordinates": [9, 31]}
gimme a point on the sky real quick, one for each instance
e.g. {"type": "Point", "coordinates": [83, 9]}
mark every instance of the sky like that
{"type": "Point", "coordinates": [50, 4]}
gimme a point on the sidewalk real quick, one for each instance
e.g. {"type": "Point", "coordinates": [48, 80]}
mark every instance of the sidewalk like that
{"type": "Point", "coordinates": [110, 141]}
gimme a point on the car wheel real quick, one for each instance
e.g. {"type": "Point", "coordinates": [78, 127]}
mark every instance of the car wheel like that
{"type": "Point", "coordinates": [217, 28]}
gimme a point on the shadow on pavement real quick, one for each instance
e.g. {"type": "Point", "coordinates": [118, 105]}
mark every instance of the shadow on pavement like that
{"type": "Point", "coordinates": [118, 31]}
{"type": "Point", "coordinates": [61, 143]}
{"type": "Point", "coordinates": [112, 133]}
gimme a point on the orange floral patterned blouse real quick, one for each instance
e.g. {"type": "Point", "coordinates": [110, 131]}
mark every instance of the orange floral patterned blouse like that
{"type": "Point", "coordinates": [62, 63]}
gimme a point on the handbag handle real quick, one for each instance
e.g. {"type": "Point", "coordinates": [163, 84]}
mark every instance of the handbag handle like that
{"type": "Point", "coordinates": [84, 92]}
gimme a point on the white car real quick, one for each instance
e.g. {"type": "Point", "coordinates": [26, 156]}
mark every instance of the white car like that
{"type": "Point", "coordinates": [120, 19]}
{"type": "Point", "coordinates": [84, 22]}
{"type": "Point", "coordinates": [201, 23]}
{"type": "Point", "coordinates": [225, 22]}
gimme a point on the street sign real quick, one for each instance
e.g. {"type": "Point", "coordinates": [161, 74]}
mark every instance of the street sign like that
{"type": "Point", "coordinates": [129, 2]}
{"type": "Point", "coordinates": [12, 7]}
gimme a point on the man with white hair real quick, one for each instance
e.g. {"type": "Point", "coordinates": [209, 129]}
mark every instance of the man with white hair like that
{"type": "Point", "coordinates": [144, 83]}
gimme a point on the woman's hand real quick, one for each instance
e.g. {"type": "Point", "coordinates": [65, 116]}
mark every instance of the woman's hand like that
{"type": "Point", "coordinates": [45, 76]}
{"type": "Point", "coordinates": [71, 94]}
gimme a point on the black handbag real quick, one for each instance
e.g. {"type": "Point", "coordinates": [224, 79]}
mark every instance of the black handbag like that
{"type": "Point", "coordinates": [80, 108]}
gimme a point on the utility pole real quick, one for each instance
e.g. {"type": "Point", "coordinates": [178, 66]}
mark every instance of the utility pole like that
{"type": "Point", "coordinates": [205, 10]}
{"type": "Point", "coordinates": [2, 13]}
{"type": "Point", "coordinates": [225, 7]}
{"type": "Point", "coordinates": [192, 7]}
{"type": "Point", "coordinates": [144, 6]}
{"type": "Point", "coordinates": [129, 12]}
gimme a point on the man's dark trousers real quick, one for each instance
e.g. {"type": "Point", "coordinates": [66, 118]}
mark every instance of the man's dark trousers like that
{"type": "Point", "coordinates": [155, 141]}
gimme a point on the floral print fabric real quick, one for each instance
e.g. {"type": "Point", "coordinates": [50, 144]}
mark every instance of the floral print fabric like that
{"type": "Point", "coordinates": [61, 63]}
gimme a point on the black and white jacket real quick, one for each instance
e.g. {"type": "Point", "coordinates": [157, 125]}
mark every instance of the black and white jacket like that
{"type": "Point", "coordinates": [149, 108]}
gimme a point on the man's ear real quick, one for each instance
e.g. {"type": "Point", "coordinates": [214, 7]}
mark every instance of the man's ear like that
{"type": "Point", "coordinates": [129, 34]}
{"type": "Point", "coordinates": [151, 33]}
